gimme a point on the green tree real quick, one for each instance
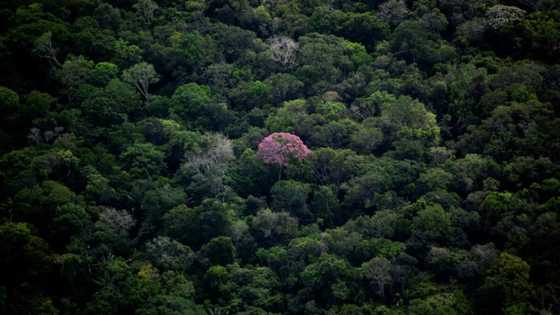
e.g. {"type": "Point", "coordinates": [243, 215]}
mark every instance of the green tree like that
{"type": "Point", "coordinates": [291, 196]}
{"type": "Point", "coordinates": [196, 105]}
{"type": "Point", "coordinates": [327, 278]}
{"type": "Point", "coordinates": [508, 279]}
{"type": "Point", "coordinates": [433, 224]}
{"type": "Point", "coordinates": [143, 160]}
{"type": "Point", "coordinates": [168, 254]}
{"type": "Point", "coordinates": [273, 227]}
{"type": "Point", "coordinates": [218, 251]}
{"type": "Point", "coordinates": [196, 226]}
{"type": "Point", "coordinates": [377, 272]}
{"type": "Point", "coordinates": [325, 204]}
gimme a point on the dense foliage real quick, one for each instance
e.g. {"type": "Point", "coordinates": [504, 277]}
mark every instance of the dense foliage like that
{"type": "Point", "coordinates": [279, 157]}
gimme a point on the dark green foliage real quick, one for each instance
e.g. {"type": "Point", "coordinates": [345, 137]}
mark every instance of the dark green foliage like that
{"type": "Point", "coordinates": [131, 180]}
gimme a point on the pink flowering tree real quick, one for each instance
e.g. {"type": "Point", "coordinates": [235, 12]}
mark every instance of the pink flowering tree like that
{"type": "Point", "coordinates": [280, 147]}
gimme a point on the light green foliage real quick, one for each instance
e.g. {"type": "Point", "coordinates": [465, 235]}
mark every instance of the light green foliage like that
{"type": "Point", "coordinates": [143, 159]}
{"type": "Point", "coordinates": [286, 117]}
{"type": "Point", "coordinates": [409, 118]}
{"type": "Point", "coordinates": [103, 73]}
{"type": "Point", "coordinates": [357, 52]}
{"type": "Point", "coordinates": [432, 223]}
{"type": "Point", "coordinates": [445, 303]}
{"type": "Point", "coordinates": [330, 110]}
{"type": "Point", "coordinates": [196, 105]}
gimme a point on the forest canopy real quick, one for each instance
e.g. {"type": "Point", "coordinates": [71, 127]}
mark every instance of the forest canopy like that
{"type": "Point", "coordinates": [368, 157]}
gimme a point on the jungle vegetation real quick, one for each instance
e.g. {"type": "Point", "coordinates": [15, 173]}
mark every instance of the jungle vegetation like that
{"type": "Point", "coordinates": [368, 157]}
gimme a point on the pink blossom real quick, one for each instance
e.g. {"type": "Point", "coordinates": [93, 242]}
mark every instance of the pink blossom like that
{"type": "Point", "coordinates": [279, 147]}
